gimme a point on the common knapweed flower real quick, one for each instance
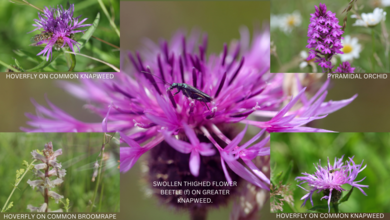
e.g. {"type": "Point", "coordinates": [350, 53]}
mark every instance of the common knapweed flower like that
{"type": "Point", "coordinates": [58, 27]}
{"type": "Point", "coordinates": [324, 34]}
{"type": "Point", "coordinates": [45, 171]}
{"type": "Point", "coordinates": [187, 137]}
{"type": "Point", "coordinates": [329, 179]}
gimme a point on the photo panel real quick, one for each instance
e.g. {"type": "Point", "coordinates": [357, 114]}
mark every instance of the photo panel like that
{"type": "Point", "coordinates": [59, 36]}
{"type": "Point", "coordinates": [330, 36]}
{"type": "Point", "coordinates": [330, 173]}
{"type": "Point", "coordinates": [59, 172]}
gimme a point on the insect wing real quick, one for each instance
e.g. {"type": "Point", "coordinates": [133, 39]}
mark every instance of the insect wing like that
{"type": "Point", "coordinates": [195, 93]}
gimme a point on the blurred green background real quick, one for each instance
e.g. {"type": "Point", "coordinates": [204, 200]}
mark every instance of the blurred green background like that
{"type": "Point", "coordinates": [16, 21]}
{"type": "Point", "coordinates": [304, 149]}
{"type": "Point", "coordinates": [288, 53]}
{"type": "Point", "coordinates": [79, 152]}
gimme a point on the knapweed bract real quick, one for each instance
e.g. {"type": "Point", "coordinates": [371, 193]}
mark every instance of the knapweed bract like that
{"type": "Point", "coordinates": [58, 27]}
{"type": "Point", "coordinates": [330, 178]}
{"type": "Point", "coordinates": [186, 140]}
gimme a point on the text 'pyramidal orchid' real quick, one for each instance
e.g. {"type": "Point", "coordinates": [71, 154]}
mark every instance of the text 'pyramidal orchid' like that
{"type": "Point", "coordinates": [329, 179]}
{"type": "Point", "coordinates": [58, 27]}
{"type": "Point", "coordinates": [188, 140]}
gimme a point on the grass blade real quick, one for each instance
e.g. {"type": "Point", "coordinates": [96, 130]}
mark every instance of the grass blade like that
{"type": "Point", "coordinates": [88, 34]}
{"type": "Point", "coordinates": [70, 60]}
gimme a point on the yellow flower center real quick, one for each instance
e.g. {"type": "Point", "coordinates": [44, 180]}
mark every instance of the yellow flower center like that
{"type": "Point", "coordinates": [291, 21]}
{"type": "Point", "coordinates": [347, 48]}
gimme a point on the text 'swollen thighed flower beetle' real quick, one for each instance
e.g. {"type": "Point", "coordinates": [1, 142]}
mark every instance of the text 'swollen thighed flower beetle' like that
{"type": "Point", "coordinates": [189, 91]}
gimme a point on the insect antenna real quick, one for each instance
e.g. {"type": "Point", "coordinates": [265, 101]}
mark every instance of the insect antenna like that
{"type": "Point", "coordinates": [155, 76]}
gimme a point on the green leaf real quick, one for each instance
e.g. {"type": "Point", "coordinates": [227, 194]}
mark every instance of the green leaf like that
{"type": "Point", "coordinates": [70, 60]}
{"type": "Point", "coordinates": [18, 65]}
{"type": "Point", "coordinates": [11, 204]}
{"type": "Point", "coordinates": [319, 208]}
{"type": "Point", "coordinates": [277, 176]}
{"type": "Point", "coordinates": [287, 174]}
{"type": "Point", "coordinates": [45, 63]}
{"type": "Point", "coordinates": [88, 34]}
{"type": "Point", "coordinates": [30, 56]}
{"type": "Point", "coordinates": [346, 197]}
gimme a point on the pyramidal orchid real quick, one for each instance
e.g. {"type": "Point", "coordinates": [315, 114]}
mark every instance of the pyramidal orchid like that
{"type": "Point", "coordinates": [139, 104]}
{"type": "Point", "coordinates": [58, 27]}
{"type": "Point", "coordinates": [325, 36]}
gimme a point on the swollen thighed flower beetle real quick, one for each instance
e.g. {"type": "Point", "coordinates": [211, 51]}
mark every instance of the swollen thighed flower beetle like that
{"type": "Point", "coordinates": [188, 91]}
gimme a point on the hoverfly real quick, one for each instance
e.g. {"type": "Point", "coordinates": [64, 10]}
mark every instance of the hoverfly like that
{"type": "Point", "coordinates": [60, 42]}
{"type": "Point", "coordinates": [44, 36]}
{"type": "Point", "coordinates": [188, 91]}
{"type": "Point", "coordinates": [332, 171]}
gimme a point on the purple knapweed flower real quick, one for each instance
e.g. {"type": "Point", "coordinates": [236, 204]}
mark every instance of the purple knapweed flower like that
{"type": "Point", "coordinates": [324, 34]}
{"type": "Point", "coordinates": [59, 27]}
{"type": "Point", "coordinates": [329, 179]}
{"type": "Point", "coordinates": [241, 88]}
{"type": "Point", "coordinates": [345, 67]}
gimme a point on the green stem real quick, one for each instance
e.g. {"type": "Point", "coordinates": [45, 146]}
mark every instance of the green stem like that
{"type": "Point", "coordinates": [108, 17]}
{"type": "Point", "coordinates": [29, 4]}
{"type": "Point", "coordinates": [336, 207]}
{"type": "Point", "coordinates": [92, 58]}
{"type": "Point", "coordinates": [16, 185]}
{"type": "Point", "coordinates": [99, 172]}
{"type": "Point", "coordinates": [9, 67]}
{"type": "Point", "coordinates": [373, 49]}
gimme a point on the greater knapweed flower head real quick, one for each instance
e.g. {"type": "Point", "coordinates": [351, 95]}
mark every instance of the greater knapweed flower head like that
{"type": "Point", "coordinates": [58, 27]}
{"type": "Point", "coordinates": [345, 67]}
{"type": "Point", "coordinates": [191, 136]}
{"type": "Point", "coordinates": [45, 172]}
{"type": "Point", "coordinates": [370, 19]}
{"type": "Point", "coordinates": [324, 34]}
{"type": "Point", "coordinates": [329, 179]}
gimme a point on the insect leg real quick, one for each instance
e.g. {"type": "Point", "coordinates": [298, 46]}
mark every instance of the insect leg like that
{"type": "Point", "coordinates": [206, 106]}
{"type": "Point", "coordinates": [178, 90]}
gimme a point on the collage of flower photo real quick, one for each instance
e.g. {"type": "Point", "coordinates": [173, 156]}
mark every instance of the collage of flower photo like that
{"type": "Point", "coordinates": [200, 110]}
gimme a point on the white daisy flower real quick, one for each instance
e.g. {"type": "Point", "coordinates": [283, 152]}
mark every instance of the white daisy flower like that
{"type": "Point", "coordinates": [351, 49]}
{"type": "Point", "coordinates": [370, 19]}
{"type": "Point", "coordinates": [306, 62]}
{"type": "Point", "coordinates": [380, 3]}
{"type": "Point", "coordinates": [385, 3]}
{"type": "Point", "coordinates": [275, 21]}
{"type": "Point", "coordinates": [289, 21]}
